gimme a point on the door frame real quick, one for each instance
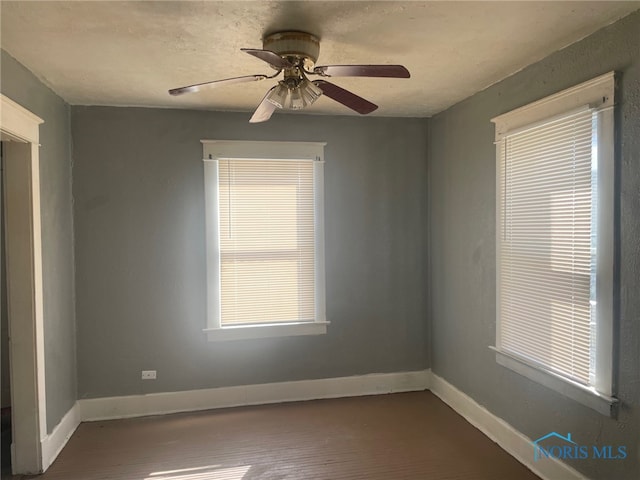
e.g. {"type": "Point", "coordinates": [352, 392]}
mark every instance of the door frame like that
{"type": "Point", "coordinates": [24, 284]}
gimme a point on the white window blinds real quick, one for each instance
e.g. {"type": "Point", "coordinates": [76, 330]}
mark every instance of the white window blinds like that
{"type": "Point", "coordinates": [546, 246]}
{"type": "Point", "coordinates": [266, 241]}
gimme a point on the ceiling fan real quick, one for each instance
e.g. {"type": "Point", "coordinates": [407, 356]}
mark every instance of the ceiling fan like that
{"type": "Point", "coordinates": [296, 53]}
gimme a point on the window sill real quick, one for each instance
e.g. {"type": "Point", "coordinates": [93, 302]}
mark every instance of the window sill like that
{"type": "Point", "coordinates": [586, 396]}
{"type": "Point", "coordinates": [245, 332]}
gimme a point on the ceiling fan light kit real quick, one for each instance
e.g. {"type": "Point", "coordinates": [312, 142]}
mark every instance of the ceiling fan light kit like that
{"type": "Point", "coordinates": [296, 97]}
{"type": "Point", "coordinates": [295, 54]}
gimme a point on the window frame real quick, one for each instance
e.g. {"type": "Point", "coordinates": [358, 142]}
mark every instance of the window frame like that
{"type": "Point", "coordinates": [215, 150]}
{"type": "Point", "coordinates": [597, 94]}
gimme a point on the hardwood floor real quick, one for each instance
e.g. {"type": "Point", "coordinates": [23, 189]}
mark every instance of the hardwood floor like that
{"type": "Point", "coordinates": [390, 437]}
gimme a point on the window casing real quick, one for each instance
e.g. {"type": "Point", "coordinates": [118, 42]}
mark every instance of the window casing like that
{"type": "Point", "coordinates": [265, 239]}
{"type": "Point", "coordinates": [554, 215]}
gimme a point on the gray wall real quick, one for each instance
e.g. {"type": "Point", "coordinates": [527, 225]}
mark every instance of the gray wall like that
{"type": "Point", "coordinates": [140, 251]}
{"type": "Point", "coordinates": [462, 249]}
{"type": "Point", "coordinates": [23, 87]}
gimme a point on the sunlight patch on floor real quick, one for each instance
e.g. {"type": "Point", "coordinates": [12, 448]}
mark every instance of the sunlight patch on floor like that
{"type": "Point", "coordinates": [209, 472]}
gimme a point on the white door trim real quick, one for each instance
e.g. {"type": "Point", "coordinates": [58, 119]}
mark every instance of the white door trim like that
{"type": "Point", "coordinates": [24, 284]}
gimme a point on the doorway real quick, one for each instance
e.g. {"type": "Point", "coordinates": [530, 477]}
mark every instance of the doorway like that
{"type": "Point", "coordinates": [19, 130]}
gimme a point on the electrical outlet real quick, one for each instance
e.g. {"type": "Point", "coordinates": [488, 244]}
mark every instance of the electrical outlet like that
{"type": "Point", "coordinates": [148, 374]}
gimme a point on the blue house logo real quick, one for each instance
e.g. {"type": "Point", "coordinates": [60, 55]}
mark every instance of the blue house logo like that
{"type": "Point", "coordinates": [555, 445]}
{"type": "Point", "coordinates": [538, 449]}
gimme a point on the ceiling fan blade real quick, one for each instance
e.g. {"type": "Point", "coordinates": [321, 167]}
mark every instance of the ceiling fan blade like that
{"type": "Point", "coordinates": [270, 57]}
{"type": "Point", "coordinates": [264, 110]}
{"type": "Point", "coordinates": [216, 83]}
{"type": "Point", "coordinates": [393, 71]}
{"type": "Point", "coordinates": [345, 97]}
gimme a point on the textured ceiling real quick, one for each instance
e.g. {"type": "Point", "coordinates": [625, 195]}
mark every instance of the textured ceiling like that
{"type": "Point", "coordinates": [130, 53]}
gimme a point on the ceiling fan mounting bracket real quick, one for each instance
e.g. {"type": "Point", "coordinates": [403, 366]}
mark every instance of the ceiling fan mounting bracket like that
{"type": "Point", "coordinates": [299, 47]}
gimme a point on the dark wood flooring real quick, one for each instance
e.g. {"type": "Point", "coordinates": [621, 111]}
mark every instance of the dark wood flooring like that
{"type": "Point", "coordinates": [385, 437]}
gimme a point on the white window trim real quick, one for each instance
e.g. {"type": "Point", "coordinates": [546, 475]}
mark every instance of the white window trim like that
{"type": "Point", "coordinates": [603, 404]}
{"type": "Point", "coordinates": [215, 150]}
{"type": "Point", "coordinates": [597, 94]}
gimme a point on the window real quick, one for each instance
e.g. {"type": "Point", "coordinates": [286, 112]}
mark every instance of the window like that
{"type": "Point", "coordinates": [265, 243]}
{"type": "Point", "coordinates": [555, 241]}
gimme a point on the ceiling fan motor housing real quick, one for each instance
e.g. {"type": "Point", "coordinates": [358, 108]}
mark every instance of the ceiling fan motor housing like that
{"type": "Point", "coordinates": [300, 45]}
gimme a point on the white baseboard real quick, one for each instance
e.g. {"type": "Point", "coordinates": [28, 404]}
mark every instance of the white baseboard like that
{"type": "Point", "coordinates": [511, 440]}
{"type": "Point", "coordinates": [207, 399]}
{"type": "Point", "coordinates": [54, 442]}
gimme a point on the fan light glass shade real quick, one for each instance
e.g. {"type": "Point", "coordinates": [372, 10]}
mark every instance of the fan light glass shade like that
{"type": "Point", "coordinates": [295, 98]}
{"type": "Point", "coordinates": [310, 92]}
{"type": "Point", "coordinates": [278, 96]}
